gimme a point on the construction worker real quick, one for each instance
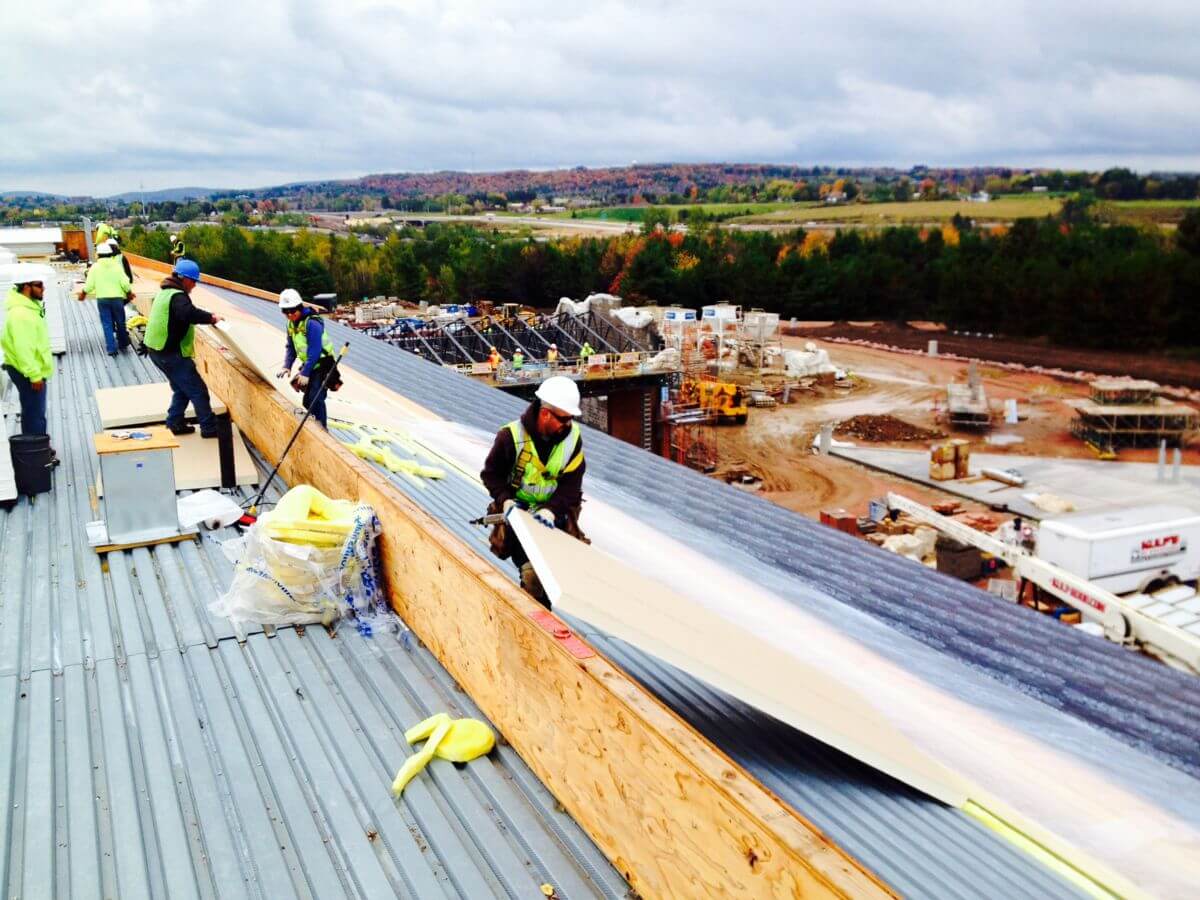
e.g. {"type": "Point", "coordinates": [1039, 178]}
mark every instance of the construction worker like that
{"type": "Point", "coordinates": [305, 331]}
{"type": "Point", "coordinates": [518, 360]}
{"type": "Point", "coordinates": [585, 352]}
{"type": "Point", "coordinates": [552, 355]}
{"type": "Point", "coordinates": [178, 251]}
{"type": "Point", "coordinates": [536, 463]}
{"type": "Point", "coordinates": [107, 282]}
{"type": "Point", "coordinates": [25, 342]}
{"type": "Point", "coordinates": [494, 359]}
{"type": "Point", "coordinates": [103, 232]}
{"type": "Point", "coordinates": [117, 254]}
{"type": "Point", "coordinates": [170, 340]}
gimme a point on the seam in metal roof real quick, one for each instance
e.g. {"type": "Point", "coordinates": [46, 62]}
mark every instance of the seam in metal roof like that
{"type": "Point", "coordinates": [147, 751]}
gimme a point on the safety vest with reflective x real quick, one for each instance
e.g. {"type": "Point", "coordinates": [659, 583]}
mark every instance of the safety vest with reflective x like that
{"type": "Point", "coordinates": [535, 481]}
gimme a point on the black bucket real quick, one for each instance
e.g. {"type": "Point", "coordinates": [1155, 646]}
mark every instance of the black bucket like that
{"type": "Point", "coordinates": [31, 462]}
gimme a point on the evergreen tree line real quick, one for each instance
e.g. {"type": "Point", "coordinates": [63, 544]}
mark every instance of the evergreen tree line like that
{"type": "Point", "coordinates": [1075, 282]}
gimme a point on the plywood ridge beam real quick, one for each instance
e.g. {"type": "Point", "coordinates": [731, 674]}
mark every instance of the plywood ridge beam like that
{"type": "Point", "coordinates": [674, 814]}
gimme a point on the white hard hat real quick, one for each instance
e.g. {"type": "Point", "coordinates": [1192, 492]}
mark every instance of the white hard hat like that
{"type": "Point", "coordinates": [104, 248]}
{"type": "Point", "coordinates": [27, 275]}
{"type": "Point", "coordinates": [554, 346]}
{"type": "Point", "coordinates": [561, 393]}
{"type": "Point", "coordinates": [174, 237]}
{"type": "Point", "coordinates": [289, 298]}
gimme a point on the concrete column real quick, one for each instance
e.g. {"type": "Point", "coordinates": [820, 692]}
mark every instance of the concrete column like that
{"type": "Point", "coordinates": [1162, 460]}
{"type": "Point", "coordinates": [1176, 465]}
{"type": "Point", "coordinates": [933, 348]}
{"type": "Point", "coordinates": [826, 439]}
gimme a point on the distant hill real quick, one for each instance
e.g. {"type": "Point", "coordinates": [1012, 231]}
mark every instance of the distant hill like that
{"type": "Point", "coordinates": [179, 194]}
{"type": "Point", "coordinates": [30, 195]}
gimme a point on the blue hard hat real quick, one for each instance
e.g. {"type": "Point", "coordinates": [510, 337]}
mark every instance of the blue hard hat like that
{"type": "Point", "coordinates": [187, 268]}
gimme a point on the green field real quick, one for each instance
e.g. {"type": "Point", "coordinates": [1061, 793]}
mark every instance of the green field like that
{"type": "Point", "coordinates": [1003, 209]}
{"type": "Point", "coordinates": [1146, 212]}
{"type": "Point", "coordinates": [636, 213]}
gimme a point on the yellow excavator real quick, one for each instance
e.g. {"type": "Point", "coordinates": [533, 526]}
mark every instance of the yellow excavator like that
{"type": "Point", "coordinates": [726, 401]}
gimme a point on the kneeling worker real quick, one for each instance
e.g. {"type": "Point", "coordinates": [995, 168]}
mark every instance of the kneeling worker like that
{"type": "Point", "coordinates": [171, 339]}
{"type": "Point", "coordinates": [536, 463]}
{"type": "Point", "coordinates": [306, 330]}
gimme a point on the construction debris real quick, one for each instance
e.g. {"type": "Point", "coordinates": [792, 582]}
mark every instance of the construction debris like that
{"type": "Point", "coordinates": [883, 428]}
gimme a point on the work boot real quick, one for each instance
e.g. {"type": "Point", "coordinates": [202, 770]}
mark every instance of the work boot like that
{"type": "Point", "coordinates": [209, 434]}
{"type": "Point", "coordinates": [182, 429]}
{"type": "Point", "coordinates": [531, 583]}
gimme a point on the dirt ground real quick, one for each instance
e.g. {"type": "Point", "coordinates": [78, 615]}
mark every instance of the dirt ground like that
{"type": "Point", "coordinates": [775, 444]}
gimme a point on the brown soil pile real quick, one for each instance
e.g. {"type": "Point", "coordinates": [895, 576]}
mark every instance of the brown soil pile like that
{"type": "Point", "coordinates": [883, 428]}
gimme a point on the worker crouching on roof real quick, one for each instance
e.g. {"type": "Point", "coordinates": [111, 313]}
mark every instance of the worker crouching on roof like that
{"type": "Point", "coordinates": [171, 339]}
{"type": "Point", "coordinates": [308, 341]}
{"type": "Point", "coordinates": [537, 463]}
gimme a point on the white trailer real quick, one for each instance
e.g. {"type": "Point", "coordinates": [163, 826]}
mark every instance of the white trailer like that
{"type": "Point", "coordinates": [1168, 628]}
{"type": "Point", "coordinates": [1125, 550]}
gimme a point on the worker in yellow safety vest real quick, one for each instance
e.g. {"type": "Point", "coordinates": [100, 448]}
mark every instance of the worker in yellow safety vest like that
{"type": "Point", "coordinates": [178, 250]}
{"type": "Point", "coordinates": [305, 333]}
{"type": "Point", "coordinates": [552, 355]}
{"type": "Point", "coordinates": [536, 463]}
{"type": "Point", "coordinates": [494, 359]}
{"type": "Point", "coordinates": [108, 283]}
{"type": "Point", "coordinates": [171, 339]}
{"type": "Point", "coordinates": [25, 342]}
{"type": "Point", "coordinates": [518, 360]}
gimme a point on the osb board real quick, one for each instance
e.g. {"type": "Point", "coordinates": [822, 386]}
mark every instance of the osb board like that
{"type": "Point", "coordinates": [141, 404]}
{"type": "Point", "coordinates": [673, 814]}
{"type": "Point", "coordinates": [647, 614]}
{"type": "Point", "coordinates": [197, 462]}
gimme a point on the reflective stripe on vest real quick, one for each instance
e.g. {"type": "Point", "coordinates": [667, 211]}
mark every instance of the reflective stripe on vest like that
{"type": "Point", "coordinates": [534, 481]}
{"type": "Point", "coordinates": [160, 316]}
{"type": "Point", "coordinates": [299, 336]}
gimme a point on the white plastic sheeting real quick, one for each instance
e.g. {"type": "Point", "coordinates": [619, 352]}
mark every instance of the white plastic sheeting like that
{"type": "Point", "coordinates": [809, 362]}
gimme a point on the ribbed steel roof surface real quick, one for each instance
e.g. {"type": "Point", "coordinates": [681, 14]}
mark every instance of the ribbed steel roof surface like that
{"type": "Point", "coordinates": [1136, 700]}
{"type": "Point", "coordinates": [148, 750]}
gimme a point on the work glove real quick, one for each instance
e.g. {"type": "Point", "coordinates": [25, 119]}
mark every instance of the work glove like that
{"type": "Point", "coordinates": [301, 382]}
{"type": "Point", "coordinates": [283, 373]}
{"type": "Point", "coordinates": [508, 504]}
{"type": "Point", "coordinates": [545, 516]}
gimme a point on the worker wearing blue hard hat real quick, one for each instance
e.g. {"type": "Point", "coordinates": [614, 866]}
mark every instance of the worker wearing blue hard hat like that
{"type": "Point", "coordinates": [170, 339]}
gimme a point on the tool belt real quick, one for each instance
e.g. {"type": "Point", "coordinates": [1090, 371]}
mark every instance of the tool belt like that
{"type": "Point", "coordinates": [323, 366]}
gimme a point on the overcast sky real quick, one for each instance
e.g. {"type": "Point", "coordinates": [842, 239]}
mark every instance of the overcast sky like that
{"type": "Point", "coordinates": [105, 97]}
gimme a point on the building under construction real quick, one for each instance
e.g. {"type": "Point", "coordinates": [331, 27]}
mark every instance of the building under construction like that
{"type": "Point", "coordinates": [151, 749]}
{"type": "Point", "coordinates": [1125, 412]}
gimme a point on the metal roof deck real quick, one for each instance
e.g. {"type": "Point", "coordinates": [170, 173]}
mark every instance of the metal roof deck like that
{"type": "Point", "coordinates": [1138, 701]}
{"type": "Point", "coordinates": [147, 751]}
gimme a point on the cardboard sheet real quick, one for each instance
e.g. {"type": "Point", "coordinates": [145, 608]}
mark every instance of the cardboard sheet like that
{"type": "Point", "coordinates": [141, 404]}
{"type": "Point", "coordinates": [647, 614]}
{"type": "Point", "coordinates": [198, 463]}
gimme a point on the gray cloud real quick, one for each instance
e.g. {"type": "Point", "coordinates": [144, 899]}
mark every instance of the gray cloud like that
{"type": "Point", "coordinates": [100, 99]}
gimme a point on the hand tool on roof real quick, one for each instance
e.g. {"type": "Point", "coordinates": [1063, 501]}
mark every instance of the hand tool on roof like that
{"type": "Point", "coordinates": [253, 507]}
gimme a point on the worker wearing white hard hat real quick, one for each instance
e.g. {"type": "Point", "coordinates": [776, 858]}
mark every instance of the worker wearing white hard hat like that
{"type": "Point", "coordinates": [25, 344]}
{"type": "Point", "coordinates": [178, 249]}
{"type": "Point", "coordinates": [112, 288]}
{"type": "Point", "coordinates": [552, 355]}
{"type": "Point", "coordinates": [308, 342]}
{"type": "Point", "coordinates": [536, 463]}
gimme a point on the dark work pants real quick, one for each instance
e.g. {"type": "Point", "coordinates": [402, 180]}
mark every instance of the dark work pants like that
{"type": "Point", "coordinates": [112, 323]}
{"type": "Point", "coordinates": [186, 384]}
{"type": "Point", "coordinates": [33, 403]}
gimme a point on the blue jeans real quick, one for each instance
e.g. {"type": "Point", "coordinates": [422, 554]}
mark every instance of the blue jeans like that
{"type": "Point", "coordinates": [186, 384]}
{"type": "Point", "coordinates": [314, 400]}
{"type": "Point", "coordinates": [112, 323]}
{"type": "Point", "coordinates": [33, 403]}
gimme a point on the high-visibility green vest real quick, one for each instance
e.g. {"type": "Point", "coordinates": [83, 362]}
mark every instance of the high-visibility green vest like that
{"type": "Point", "coordinates": [177, 249]}
{"type": "Point", "coordinates": [156, 327]}
{"type": "Point", "coordinates": [25, 340]}
{"type": "Point", "coordinates": [298, 332]}
{"type": "Point", "coordinates": [518, 360]}
{"type": "Point", "coordinates": [534, 480]}
{"type": "Point", "coordinates": [106, 279]}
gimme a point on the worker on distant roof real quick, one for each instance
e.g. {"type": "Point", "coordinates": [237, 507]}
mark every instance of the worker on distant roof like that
{"type": "Point", "coordinates": [494, 358]}
{"type": "Point", "coordinates": [178, 250]}
{"type": "Point", "coordinates": [171, 339]}
{"type": "Point", "coordinates": [108, 283]}
{"type": "Point", "coordinates": [518, 360]}
{"type": "Point", "coordinates": [552, 355]}
{"type": "Point", "coordinates": [318, 369]}
{"type": "Point", "coordinates": [536, 463]}
{"type": "Point", "coordinates": [585, 352]}
{"type": "Point", "coordinates": [25, 342]}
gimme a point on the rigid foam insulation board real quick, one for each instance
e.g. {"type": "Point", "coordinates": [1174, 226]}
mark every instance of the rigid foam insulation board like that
{"type": "Point", "coordinates": [141, 404]}
{"type": "Point", "coordinates": [198, 463]}
{"type": "Point", "coordinates": [647, 614]}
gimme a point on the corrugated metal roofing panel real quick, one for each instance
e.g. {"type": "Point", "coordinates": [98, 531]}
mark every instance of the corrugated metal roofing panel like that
{"type": "Point", "coordinates": [1139, 701]}
{"type": "Point", "coordinates": [145, 751]}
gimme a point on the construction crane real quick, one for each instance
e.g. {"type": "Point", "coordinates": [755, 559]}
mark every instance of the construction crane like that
{"type": "Point", "coordinates": [1123, 621]}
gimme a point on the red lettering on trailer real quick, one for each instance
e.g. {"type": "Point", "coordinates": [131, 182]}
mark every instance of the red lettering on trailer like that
{"type": "Point", "coordinates": [1155, 543]}
{"type": "Point", "coordinates": [1077, 594]}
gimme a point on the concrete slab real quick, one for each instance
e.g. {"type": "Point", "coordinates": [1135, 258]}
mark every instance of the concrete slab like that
{"type": "Point", "coordinates": [1089, 484]}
